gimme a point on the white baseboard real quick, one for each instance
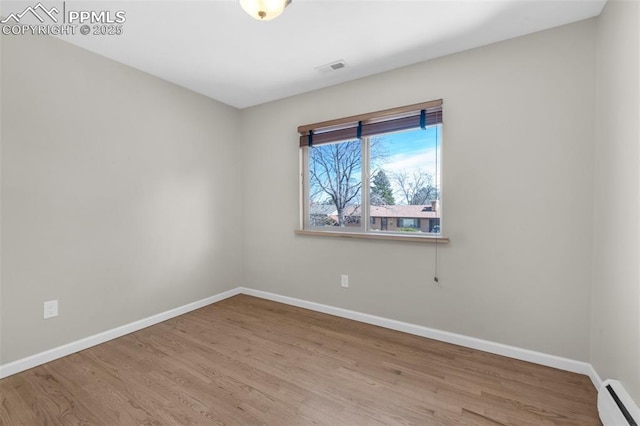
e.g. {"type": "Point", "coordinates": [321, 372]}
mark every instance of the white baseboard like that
{"type": "Point", "coordinates": [443, 336]}
{"type": "Point", "coordinates": [418, 330]}
{"type": "Point", "coordinates": [79, 345]}
{"type": "Point", "coordinates": [595, 377]}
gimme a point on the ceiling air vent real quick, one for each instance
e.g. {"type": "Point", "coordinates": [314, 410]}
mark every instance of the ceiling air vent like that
{"type": "Point", "coordinates": [333, 66]}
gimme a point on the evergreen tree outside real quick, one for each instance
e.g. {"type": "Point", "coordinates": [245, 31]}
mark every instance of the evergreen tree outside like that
{"type": "Point", "coordinates": [381, 192]}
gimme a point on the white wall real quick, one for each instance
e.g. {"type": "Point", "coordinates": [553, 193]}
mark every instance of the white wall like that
{"type": "Point", "coordinates": [518, 189]}
{"type": "Point", "coordinates": [118, 195]}
{"type": "Point", "coordinates": [615, 334]}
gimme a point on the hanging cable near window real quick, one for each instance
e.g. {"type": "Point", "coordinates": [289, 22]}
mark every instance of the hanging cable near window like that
{"type": "Point", "coordinates": [435, 247]}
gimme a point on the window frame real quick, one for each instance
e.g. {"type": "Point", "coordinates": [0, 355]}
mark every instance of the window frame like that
{"type": "Point", "coordinates": [344, 126]}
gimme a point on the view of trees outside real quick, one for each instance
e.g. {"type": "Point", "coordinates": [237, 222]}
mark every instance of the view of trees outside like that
{"type": "Point", "coordinates": [417, 187]}
{"type": "Point", "coordinates": [403, 171]}
{"type": "Point", "coordinates": [335, 176]}
{"type": "Point", "coordinates": [381, 191]}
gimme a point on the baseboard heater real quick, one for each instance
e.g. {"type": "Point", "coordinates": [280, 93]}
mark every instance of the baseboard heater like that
{"type": "Point", "coordinates": [615, 406]}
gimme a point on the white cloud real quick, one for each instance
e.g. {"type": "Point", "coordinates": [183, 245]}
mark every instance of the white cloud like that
{"type": "Point", "coordinates": [409, 163]}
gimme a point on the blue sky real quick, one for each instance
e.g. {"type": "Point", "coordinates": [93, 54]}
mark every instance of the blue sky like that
{"type": "Point", "coordinates": [407, 152]}
{"type": "Point", "coordinates": [413, 150]}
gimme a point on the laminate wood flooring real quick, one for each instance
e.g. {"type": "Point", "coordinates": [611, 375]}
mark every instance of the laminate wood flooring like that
{"type": "Point", "coordinates": [248, 361]}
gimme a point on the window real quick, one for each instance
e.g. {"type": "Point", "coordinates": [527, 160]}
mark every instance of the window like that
{"type": "Point", "coordinates": [408, 223]}
{"type": "Point", "coordinates": [378, 173]}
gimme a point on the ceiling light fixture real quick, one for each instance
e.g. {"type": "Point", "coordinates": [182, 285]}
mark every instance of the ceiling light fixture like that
{"type": "Point", "coordinates": [264, 10]}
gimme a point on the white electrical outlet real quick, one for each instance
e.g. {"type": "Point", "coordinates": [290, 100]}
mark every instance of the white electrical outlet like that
{"type": "Point", "coordinates": [344, 281]}
{"type": "Point", "coordinates": [50, 309]}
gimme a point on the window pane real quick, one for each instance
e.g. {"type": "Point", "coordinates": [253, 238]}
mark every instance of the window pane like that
{"type": "Point", "coordinates": [404, 191]}
{"type": "Point", "coordinates": [408, 223]}
{"type": "Point", "coordinates": [335, 183]}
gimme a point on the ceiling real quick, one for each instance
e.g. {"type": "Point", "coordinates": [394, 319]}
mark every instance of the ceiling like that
{"type": "Point", "coordinates": [214, 48]}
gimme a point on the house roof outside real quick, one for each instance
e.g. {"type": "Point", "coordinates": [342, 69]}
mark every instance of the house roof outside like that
{"type": "Point", "coordinates": [421, 211]}
{"type": "Point", "coordinates": [322, 209]}
{"type": "Point", "coordinates": [413, 211]}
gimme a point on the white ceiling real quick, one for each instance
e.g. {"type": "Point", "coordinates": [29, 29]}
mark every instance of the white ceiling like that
{"type": "Point", "coordinates": [213, 47]}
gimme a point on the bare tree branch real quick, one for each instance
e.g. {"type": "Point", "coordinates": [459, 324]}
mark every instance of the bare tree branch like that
{"type": "Point", "coordinates": [335, 171]}
{"type": "Point", "coordinates": [417, 188]}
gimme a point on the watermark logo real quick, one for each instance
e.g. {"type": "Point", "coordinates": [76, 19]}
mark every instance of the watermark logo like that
{"type": "Point", "coordinates": [33, 10]}
{"type": "Point", "coordinates": [62, 19]}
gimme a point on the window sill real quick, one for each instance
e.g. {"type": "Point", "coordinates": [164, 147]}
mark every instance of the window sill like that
{"type": "Point", "coordinates": [374, 236]}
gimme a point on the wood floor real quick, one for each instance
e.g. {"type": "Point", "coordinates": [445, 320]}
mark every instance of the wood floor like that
{"type": "Point", "coordinates": [248, 361]}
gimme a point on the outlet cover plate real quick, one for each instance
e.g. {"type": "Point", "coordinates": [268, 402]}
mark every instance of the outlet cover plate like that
{"type": "Point", "coordinates": [50, 309]}
{"type": "Point", "coordinates": [344, 281]}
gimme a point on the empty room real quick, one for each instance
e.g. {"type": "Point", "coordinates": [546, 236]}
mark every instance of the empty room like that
{"type": "Point", "coordinates": [328, 212]}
